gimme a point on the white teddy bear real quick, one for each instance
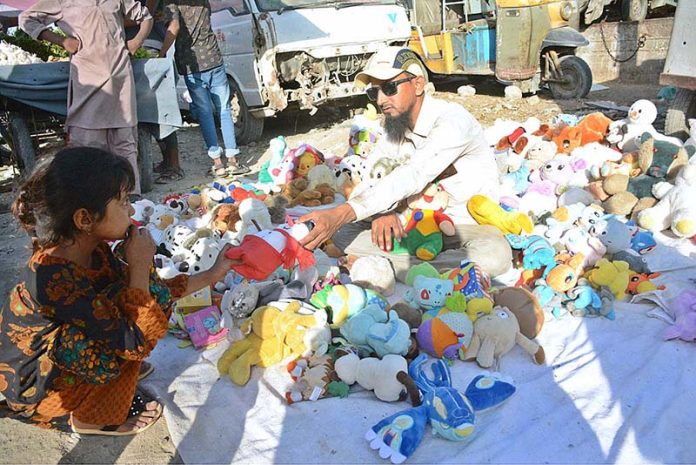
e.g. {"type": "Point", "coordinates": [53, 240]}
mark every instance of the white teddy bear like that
{"type": "Point", "coordinates": [676, 209]}
{"type": "Point", "coordinates": [625, 133]}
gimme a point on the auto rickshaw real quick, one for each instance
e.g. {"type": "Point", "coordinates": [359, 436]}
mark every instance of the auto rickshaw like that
{"type": "Point", "coordinates": [528, 43]}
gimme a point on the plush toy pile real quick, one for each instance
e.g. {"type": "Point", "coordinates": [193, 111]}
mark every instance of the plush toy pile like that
{"type": "Point", "coordinates": [581, 201]}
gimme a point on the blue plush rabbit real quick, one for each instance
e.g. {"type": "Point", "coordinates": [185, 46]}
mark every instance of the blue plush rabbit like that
{"type": "Point", "coordinates": [450, 413]}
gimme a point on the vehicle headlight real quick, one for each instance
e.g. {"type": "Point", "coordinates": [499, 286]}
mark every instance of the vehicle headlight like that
{"type": "Point", "coordinates": [566, 10]}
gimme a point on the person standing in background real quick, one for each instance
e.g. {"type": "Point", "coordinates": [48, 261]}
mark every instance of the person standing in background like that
{"type": "Point", "coordinates": [101, 90]}
{"type": "Point", "coordinates": [199, 61]}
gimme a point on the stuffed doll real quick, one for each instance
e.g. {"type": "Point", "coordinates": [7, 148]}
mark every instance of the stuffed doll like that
{"type": "Point", "coordinates": [486, 211]}
{"type": "Point", "coordinates": [592, 128]}
{"type": "Point", "coordinates": [563, 172]}
{"type": "Point", "coordinates": [384, 377]}
{"type": "Point", "coordinates": [307, 157]}
{"type": "Point", "coordinates": [612, 275]}
{"type": "Point", "coordinates": [275, 332]}
{"type": "Point", "coordinates": [495, 335]}
{"type": "Point", "coordinates": [676, 210]}
{"type": "Point", "coordinates": [373, 330]}
{"type": "Point", "coordinates": [314, 378]}
{"type": "Point", "coordinates": [626, 133]}
{"type": "Point", "coordinates": [450, 413]}
{"type": "Point", "coordinates": [374, 272]}
{"type": "Point", "coordinates": [261, 253]}
{"type": "Point", "coordinates": [278, 148]}
{"type": "Point", "coordinates": [425, 224]}
{"type": "Point", "coordinates": [683, 306]}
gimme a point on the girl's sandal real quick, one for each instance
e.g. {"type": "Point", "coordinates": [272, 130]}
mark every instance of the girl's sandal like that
{"type": "Point", "coordinates": [218, 172]}
{"type": "Point", "coordinates": [140, 400]}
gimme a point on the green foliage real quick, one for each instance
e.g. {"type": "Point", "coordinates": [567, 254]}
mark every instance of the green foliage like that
{"type": "Point", "coordinates": [40, 48]}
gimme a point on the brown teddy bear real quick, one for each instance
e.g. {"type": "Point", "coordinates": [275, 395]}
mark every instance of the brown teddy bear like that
{"type": "Point", "coordinates": [298, 193]}
{"type": "Point", "coordinates": [225, 218]}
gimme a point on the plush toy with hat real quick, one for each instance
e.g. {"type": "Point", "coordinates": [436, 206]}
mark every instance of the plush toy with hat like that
{"type": "Point", "coordinates": [486, 211]}
{"type": "Point", "coordinates": [450, 412]}
{"type": "Point", "coordinates": [425, 224]}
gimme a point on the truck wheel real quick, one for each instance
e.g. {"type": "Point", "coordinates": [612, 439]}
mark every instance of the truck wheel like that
{"type": "Point", "coordinates": [680, 110]}
{"type": "Point", "coordinates": [247, 128]}
{"type": "Point", "coordinates": [145, 159]}
{"type": "Point", "coordinates": [577, 77]}
{"type": "Point", "coordinates": [20, 142]}
{"type": "Point", "coordinates": [634, 10]}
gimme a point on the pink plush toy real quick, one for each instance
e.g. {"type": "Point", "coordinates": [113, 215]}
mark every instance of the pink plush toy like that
{"type": "Point", "coordinates": [684, 308]}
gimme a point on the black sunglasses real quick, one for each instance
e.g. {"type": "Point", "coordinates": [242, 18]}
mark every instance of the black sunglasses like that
{"type": "Point", "coordinates": [388, 88]}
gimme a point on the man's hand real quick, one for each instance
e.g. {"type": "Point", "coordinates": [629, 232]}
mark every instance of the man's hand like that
{"type": "Point", "coordinates": [326, 223]}
{"type": "Point", "coordinates": [133, 46]}
{"type": "Point", "coordinates": [385, 229]}
{"type": "Point", "coordinates": [71, 45]}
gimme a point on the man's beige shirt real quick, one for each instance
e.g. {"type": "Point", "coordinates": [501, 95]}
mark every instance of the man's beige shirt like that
{"type": "Point", "coordinates": [445, 134]}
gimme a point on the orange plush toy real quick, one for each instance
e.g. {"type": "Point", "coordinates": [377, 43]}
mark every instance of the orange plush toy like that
{"type": "Point", "coordinates": [592, 128]}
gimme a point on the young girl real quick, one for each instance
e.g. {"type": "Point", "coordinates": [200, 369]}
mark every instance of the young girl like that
{"type": "Point", "coordinates": [76, 328]}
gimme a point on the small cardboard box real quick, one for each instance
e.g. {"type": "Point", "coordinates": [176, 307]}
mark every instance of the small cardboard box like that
{"type": "Point", "coordinates": [196, 301]}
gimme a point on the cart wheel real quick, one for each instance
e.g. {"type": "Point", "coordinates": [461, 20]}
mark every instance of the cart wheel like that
{"type": "Point", "coordinates": [634, 10]}
{"type": "Point", "coordinates": [680, 110]}
{"type": "Point", "coordinates": [247, 128]}
{"type": "Point", "coordinates": [577, 77]}
{"type": "Point", "coordinates": [145, 159]}
{"type": "Point", "coordinates": [20, 142]}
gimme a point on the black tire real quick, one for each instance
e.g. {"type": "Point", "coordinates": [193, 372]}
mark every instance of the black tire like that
{"type": "Point", "coordinates": [634, 10]}
{"type": "Point", "coordinates": [680, 110]}
{"type": "Point", "coordinates": [20, 142]}
{"type": "Point", "coordinates": [247, 128]}
{"type": "Point", "coordinates": [577, 76]}
{"type": "Point", "coordinates": [145, 160]}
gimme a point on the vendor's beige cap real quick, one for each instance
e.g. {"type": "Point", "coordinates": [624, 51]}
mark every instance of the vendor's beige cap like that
{"type": "Point", "coordinates": [388, 63]}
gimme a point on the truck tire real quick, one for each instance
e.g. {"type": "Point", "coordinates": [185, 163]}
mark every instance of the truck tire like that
{"type": "Point", "coordinates": [680, 110]}
{"type": "Point", "coordinates": [579, 79]}
{"type": "Point", "coordinates": [634, 10]}
{"type": "Point", "coordinates": [247, 128]}
{"type": "Point", "coordinates": [20, 142]}
{"type": "Point", "coordinates": [145, 159]}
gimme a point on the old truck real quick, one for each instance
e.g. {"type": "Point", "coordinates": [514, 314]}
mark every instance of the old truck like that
{"type": "Point", "coordinates": [282, 54]}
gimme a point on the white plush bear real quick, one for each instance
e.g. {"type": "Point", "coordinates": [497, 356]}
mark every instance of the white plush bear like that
{"type": "Point", "coordinates": [374, 374]}
{"type": "Point", "coordinates": [255, 217]}
{"type": "Point", "coordinates": [676, 210]}
{"type": "Point", "coordinates": [625, 133]}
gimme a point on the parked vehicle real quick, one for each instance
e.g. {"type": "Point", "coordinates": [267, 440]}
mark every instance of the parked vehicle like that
{"type": "Point", "coordinates": [680, 72]}
{"type": "Point", "coordinates": [525, 42]}
{"type": "Point", "coordinates": [282, 54]}
{"type": "Point", "coordinates": [631, 10]}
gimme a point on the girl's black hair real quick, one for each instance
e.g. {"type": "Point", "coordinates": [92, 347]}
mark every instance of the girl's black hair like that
{"type": "Point", "coordinates": [74, 178]}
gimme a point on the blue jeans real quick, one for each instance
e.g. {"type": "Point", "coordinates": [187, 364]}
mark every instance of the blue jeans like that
{"type": "Point", "coordinates": [210, 92]}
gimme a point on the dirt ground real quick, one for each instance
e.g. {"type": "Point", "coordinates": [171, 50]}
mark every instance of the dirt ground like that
{"type": "Point", "coordinates": [328, 131]}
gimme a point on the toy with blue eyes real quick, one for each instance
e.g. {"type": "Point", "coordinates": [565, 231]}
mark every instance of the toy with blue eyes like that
{"type": "Point", "coordinates": [450, 413]}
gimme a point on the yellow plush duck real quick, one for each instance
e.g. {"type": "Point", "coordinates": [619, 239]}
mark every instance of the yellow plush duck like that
{"type": "Point", "coordinates": [486, 211]}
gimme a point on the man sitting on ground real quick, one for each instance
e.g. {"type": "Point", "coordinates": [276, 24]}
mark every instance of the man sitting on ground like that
{"type": "Point", "coordinates": [435, 141]}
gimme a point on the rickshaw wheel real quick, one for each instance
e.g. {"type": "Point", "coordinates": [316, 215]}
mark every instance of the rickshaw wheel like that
{"type": "Point", "coordinates": [577, 77]}
{"type": "Point", "coordinates": [18, 137]}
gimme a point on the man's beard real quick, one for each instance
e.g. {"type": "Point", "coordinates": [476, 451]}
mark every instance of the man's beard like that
{"type": "Point", "coordinates": [395, 127]}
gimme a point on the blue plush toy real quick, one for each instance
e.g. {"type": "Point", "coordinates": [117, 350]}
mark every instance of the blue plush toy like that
{"type": "Point", "coordinates": [583, 300]}
{"type": "Point", "coordinates": [373, 330]}
{"type": "Point", "coordinates": [641, 241]}
{"type": "Point", "coordinates": [450, 413]}
{"type": "Point", "coordinates": [537, 252]}
{"type": "Point", "coordinates": [429, 293]}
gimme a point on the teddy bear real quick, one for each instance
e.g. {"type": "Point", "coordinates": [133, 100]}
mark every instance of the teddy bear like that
{"type": "Point", "coordinates": [425, 223]}
{"type": "Point", "coordinates": [321, 174]}
{"type": "Point", "coordinates": [380, 376]}
{"type": "Point", "coordinates": [676, 210]}
{"type": "Point", "coordinates": [495, 335]}
{"type": "Point", "coordinates": [658, 161]}
{"type": "Point", "coordinates": [275, 332]}
{"type": "Point", "coordinates": [306, 158]}
{"type": "Point", "coordinates": [298, 192]}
